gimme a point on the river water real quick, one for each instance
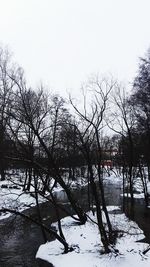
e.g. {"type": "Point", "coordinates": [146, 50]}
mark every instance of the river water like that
{"type": "Point", "coordinates": [20, 239]}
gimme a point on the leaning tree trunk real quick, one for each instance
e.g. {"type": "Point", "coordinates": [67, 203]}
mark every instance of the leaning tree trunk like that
{"type": "Point", "coordinates": [104, 238]}
{"type": "Point", "coordinates": [56, 175]}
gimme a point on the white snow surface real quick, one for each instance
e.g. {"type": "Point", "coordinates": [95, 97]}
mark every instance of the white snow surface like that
{"type": "Point", "coordinates": [85, 239]}
{"type": "Point", "coordinates": [88, 248]}
{"type": "Point", "coordinates": [17, 199]}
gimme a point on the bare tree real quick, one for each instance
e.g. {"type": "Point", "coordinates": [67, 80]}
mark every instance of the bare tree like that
{"type": "Point", "coordinates": [89, 129]}
{"type": "Point", "coordinates": [122, 122]}
{"type": "Point", "coordinates": [140, 99]}
{"type": "Point", "coordinates": [32, 110]}
{"type": "Point", "coordinates": [6, 99]}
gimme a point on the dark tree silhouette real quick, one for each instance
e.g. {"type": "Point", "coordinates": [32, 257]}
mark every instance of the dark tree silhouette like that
{"type": "Point", "coordinates": [141, 101]}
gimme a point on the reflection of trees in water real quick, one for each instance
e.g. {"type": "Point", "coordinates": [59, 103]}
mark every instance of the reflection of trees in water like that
{"type": "Point", "coordinates": [140, 214]}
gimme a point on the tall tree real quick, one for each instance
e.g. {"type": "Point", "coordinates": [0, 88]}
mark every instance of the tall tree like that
{"type": "Point", "coordinates": [141, 101]}
{"type": "Point", "coordinates": [89, 129]}
{"type": "Point", "coordinates": [122, 122]}
{"type": "Point", "coordinates": [32, 110]}
{"type": "Point", "coordinates": [6, 99]}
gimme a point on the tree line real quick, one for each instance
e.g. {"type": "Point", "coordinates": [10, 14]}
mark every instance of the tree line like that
{"type": "Point", "coordinates": [54, 144]}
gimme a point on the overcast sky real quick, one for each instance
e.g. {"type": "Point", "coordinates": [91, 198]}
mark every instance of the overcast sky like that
{"type": "Point", "coordinates": [62, 42]}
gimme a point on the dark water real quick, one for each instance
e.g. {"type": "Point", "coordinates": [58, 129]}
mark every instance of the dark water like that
{"type": "Point", "coordinates": [19, 242]}
{"type": "Point", "coordinates": [20, 239]}
{"type": "Point", "coordinates": [141, 215]}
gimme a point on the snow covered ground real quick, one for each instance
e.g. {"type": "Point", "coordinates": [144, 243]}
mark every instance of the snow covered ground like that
{"type": "Point", "coordinates": [13, 197]}
{"type": "Point", "coordinates": [138, 189]}
{"type": "Point", "coordinates": [88, 248]}
{"type": "Point", "coordinates": [86, 242]}
{"type": "Point", "coordinates": [85, 239]}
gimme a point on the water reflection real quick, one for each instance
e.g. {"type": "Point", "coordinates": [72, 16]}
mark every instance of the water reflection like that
{"type": "Point", "coordinates": [140, 214]}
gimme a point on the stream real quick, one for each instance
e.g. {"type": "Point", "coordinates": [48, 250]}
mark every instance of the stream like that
{"type": "Point", "coordinates": [20, 239]}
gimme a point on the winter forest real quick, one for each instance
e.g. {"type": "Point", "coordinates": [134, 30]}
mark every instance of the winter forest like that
{"type": "Point", "coordinates": [77, 170]}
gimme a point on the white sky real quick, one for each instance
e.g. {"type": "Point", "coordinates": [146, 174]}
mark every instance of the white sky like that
{"type": "Point", "coordinates": [61, 42]}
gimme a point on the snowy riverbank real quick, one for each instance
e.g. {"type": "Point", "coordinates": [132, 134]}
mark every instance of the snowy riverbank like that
{"type": "Point", "coordinates": [12, 196]}
{"type": "Point", "coordinates": [84, 239]}
{"type": "Point", "coordinates": [88, 248]}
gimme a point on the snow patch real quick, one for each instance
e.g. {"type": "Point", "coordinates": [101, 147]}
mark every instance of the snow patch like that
{"type": "Point", "coordinates": [87, 246]}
